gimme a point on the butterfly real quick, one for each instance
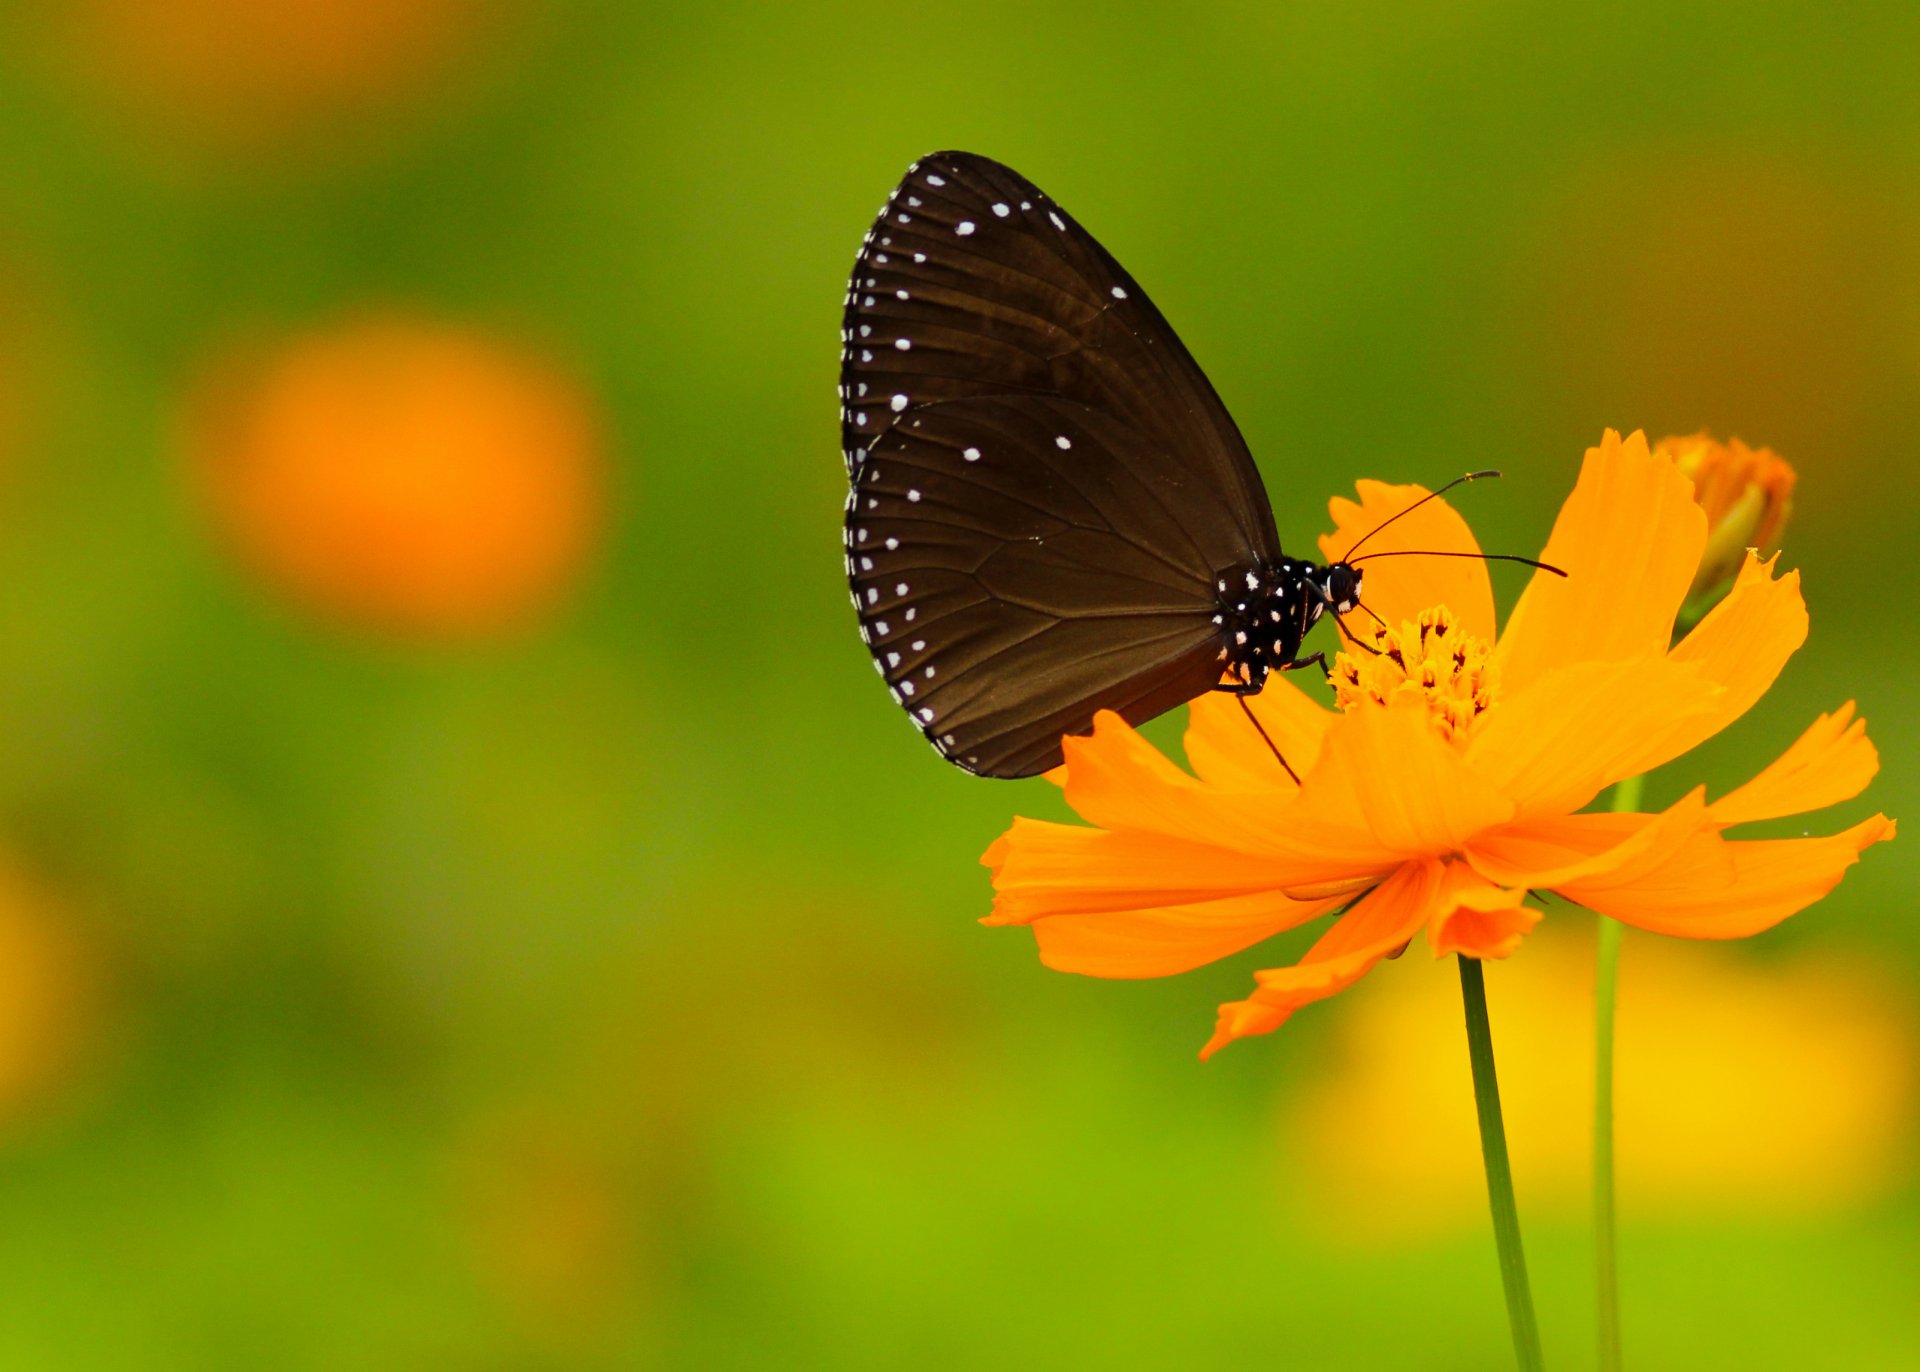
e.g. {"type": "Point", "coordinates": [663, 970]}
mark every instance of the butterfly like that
{"type": "Point", "coordinates": [1049, 510]}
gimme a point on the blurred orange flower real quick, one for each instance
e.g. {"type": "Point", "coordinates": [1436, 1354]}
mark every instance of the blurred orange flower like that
{"type": "Point", "coordinates": [411, 477]}
{"type": "Point", "coordinates": [1444, 789]}
{"type": "Point", "coordinates": [549, 1221]}
{"type": "Point", "coordinates": [25, 344]}
{"type": "Point", "coordinates": [249, 73]}
{"type": "Point", "coordinates": [1747, 494]}
{"type": "Point", "coordinates": [51, 999]}
{"type": "Point", "coordinates": [1717, 1057]}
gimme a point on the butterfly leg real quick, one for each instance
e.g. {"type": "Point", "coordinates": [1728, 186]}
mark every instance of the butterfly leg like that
{"type": "Point", "coordinates": [1240, 690]}
{"type": "Point", "coordinates": [1316, 660]}
{"type": "Point", "coordinates": [1259, 729]}
{"type": "Point", "coordinates": [1347, 634]}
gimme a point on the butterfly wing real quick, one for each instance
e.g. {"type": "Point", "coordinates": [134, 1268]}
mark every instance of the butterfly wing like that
{"type": "Point", "coordinates": [1044, 484]}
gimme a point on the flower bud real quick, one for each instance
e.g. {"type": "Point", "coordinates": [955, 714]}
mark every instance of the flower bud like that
{"type": "Point", "coordinates": [1747, 494]}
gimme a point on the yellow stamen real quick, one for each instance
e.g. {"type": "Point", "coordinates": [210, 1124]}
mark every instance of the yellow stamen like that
{"type": "Point", "coordinates": [1430, 659]}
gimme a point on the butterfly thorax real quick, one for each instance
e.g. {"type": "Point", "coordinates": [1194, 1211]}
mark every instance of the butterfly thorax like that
{"type": "Point", "coordinates": [1265, 611]}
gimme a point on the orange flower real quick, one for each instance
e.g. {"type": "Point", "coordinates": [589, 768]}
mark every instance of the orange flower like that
{"type": "Point", "coordinates": [1445, 788]}
{"type": "Point", "coordinates": [247, 75]}
{"type": "Point", "coordinates": [1747, 494]}
{"type": "Point", "coordinates": [411, 477]}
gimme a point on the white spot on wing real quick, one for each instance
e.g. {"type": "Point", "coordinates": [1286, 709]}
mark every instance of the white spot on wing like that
{"type": "Point", "coordinates": [971, 454]}
{"type": "Point", "coordinates": [1063, 441]}
{"type": "Point", "coordinates": [964, 227]}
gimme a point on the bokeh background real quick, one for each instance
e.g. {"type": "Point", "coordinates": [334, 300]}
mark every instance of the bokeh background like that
{"type": "Point", "coordinates": [465, 901]}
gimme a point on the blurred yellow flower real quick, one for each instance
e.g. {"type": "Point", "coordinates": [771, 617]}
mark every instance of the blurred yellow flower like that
{"type": "Point", "coordinates": [1747, 494]}
{"type": "Point", "coordinates": [406, 476]}
{"type": "Point", "coordinates": [1718, 1060]}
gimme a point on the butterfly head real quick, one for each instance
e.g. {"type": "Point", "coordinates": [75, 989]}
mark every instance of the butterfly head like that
{"type": "Point", "coordinates": [1340, 586]}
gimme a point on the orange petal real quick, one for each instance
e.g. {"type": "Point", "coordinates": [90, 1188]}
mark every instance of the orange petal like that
{"type": "Point", "coordinates": [1548, 852]}
{"type": "Point", "coordinates": [1386, 789]}
{"type": "Point", "coordinates": [1831, 762]}
{"type": "Point", "coordinates": [1118, 780]}
{"type": "Point", "coordinates": [1398, 588]}
{"type": "Point", "coordinates": [1121, 782]}
{"type": "Point", "coordinates": [1771, 879]}
{"type": "Point", "coordinates": [1385, 772]}
{"type": "Point", "coordinates": [1041, 869]}
{"type": "Point", "coordinates": [1742, 644]}
{"type": "Point", "coordinates": [1175, 938]}
{"type": "Point", "coordinates": [1473, 916]}
{"type": "Point", "coordinates": [1390, 915]}
{"type": "Point", "coordinates": [1629, 538]}
{"type": "Point", "coordinates": [1226, 751]}
{"type": "Point", "coordinates": [1552, 746]}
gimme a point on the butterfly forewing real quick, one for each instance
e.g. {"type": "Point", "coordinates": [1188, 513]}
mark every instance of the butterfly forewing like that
{"type": "Point", "coordinates": [1044, 484]}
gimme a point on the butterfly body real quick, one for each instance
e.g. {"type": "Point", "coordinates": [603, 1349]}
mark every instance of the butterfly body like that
{"type": "Point", "coordinates": [1050, 512]}
{"type": "Point", "coordinates": [1265, 612]}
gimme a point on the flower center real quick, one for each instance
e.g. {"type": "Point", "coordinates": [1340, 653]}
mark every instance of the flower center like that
{"type": "Point", "coordinates": [1432, 660]}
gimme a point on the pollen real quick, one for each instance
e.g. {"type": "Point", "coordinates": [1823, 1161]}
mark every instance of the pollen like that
{"type": "Point", "coordinates": [1430, 659]}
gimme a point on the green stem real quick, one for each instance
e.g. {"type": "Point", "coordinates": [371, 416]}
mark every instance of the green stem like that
{"type": "Point", "coordinates": [1606, 985]}
{"type": "Point", "coordinates": [1493, 1151]}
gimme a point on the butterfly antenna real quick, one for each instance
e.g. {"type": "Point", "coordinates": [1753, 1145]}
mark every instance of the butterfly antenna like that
{"type": "Point", "coordinates": [1254, 720]}
{"type": "Point", "coordinates": [1430, 495]}
{"type": "Point", "coordinates": [1480, 557]}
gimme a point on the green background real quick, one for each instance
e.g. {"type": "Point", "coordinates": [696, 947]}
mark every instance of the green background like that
{"type": "Point", "coordinates": [662, 892]}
